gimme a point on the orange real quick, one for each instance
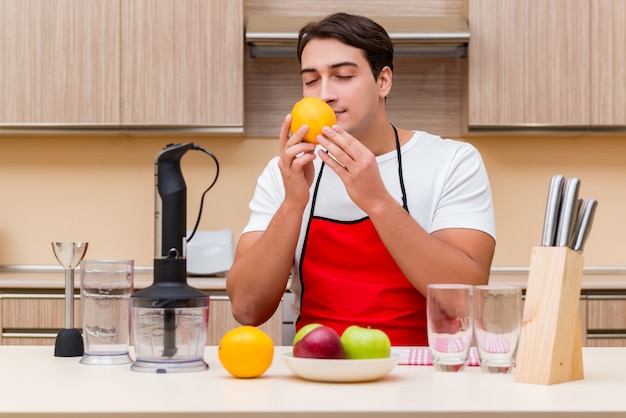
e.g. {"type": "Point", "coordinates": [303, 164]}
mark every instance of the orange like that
{"type": "Point", "coordinates": [313, 112]}
{"type": "Point", "coordinates": [246, 351]}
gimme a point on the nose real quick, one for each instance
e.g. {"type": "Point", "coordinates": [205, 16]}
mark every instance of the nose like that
{"type": "Point", "coordinates": [327, 93]}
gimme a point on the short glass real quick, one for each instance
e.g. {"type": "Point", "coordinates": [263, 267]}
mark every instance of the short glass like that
{"type": "Point", "coordinates": [105, 290]}
{"type": "Point", "coordinates": [449, 317]}
{"type": "Point", "coordinates": [497, 325]}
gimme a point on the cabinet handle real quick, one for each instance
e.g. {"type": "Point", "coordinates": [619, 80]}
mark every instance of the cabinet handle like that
{"type": "Point", "coordinates": [36, 296]}
{"type": "Point", "coordinates": [612, 336]}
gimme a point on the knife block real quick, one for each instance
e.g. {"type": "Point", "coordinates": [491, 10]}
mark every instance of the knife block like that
{"type": "Point", "coordinates": [550, 346]}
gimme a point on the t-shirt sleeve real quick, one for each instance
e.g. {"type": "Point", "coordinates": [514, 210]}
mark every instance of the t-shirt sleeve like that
{"type": "Point", "coordinates": [466, 200]}
{"type": "Point", "coordinates": [268, 196]}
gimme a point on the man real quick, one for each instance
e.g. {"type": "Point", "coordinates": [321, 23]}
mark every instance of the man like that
{"type": "Point", "coordinates": [371, 216]}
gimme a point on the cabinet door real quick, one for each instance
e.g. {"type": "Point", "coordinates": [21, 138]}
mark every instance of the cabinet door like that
{"type": "Point", "coordinates": [529, 63]}
{"type": "Point", "coordinates": [608, 63]}
{"type": "Point", "coordinates": [46, 312]}
{"type": "Point", "coordinates": [182, 63]}
{"type": "Point", "coordinates": [34, 319]}
{"type": "Point", "coordinates": [606, 321]}
{"type": "Point", "coordinates": [60, 62]}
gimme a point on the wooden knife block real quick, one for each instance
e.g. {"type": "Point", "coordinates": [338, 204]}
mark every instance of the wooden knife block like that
{"type": "Point", "coordinates": [550, 346]}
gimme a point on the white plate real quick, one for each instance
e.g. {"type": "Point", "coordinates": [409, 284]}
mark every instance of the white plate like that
{"type": "Point", "coordinates": [329, 370]}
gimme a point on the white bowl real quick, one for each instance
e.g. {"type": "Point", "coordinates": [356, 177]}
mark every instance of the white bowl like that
{"type": "Point", "coordinates": [330, 370]}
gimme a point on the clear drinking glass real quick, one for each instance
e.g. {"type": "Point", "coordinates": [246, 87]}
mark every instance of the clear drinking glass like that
{"type": "Point", "coordinates": [449, 316]}
{"type": "Point", "coordinates": [105, 290]}
{"type": "Point", "coordinates": [497, 325]}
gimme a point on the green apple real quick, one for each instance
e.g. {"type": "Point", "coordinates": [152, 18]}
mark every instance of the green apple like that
{"type": "Point", "coordinates": [304, 331]}
{"type": "Point", "coordinates": [365, 343]}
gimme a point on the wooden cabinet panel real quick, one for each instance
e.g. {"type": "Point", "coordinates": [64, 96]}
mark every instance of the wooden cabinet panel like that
{"type": "Point", "coordinates": [608, 62]}
{"type": "Point", "coordinates": [128, 63]}
{"type": "Point", "coordinates": [529, 63]}
{"type": "Point", "coordinates": [606, 314]}
{"type": "Point", "coordinates": [20, 312]}
{"type": "Point", "coordinates": [32, 339]}
{"type": "Point", "coordinates": [60, 62]}
{"type": "Point", "coordinates": [606, 320]}
{"type": "Point", "coordinates": [182, 62]}
{"type": "Point", "coordinates": [34, 319]}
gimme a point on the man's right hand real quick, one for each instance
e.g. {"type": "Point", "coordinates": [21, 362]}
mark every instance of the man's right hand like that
{"type": "Point", "coordinates": [296, 163]}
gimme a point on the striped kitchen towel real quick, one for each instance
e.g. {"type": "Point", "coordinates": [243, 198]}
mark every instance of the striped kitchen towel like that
{"type": "Point", "coordinates": [421, 356]}
{"type": "Point", "coordinates": [493, 344]}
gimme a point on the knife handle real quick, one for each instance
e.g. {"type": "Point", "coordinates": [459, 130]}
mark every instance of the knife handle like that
{"type": "Point", "coordinates": [567, 217]}
{"type": "Point", "coordinates": [586, 220]}
{"type": "Point", "coordinates": [553, 206]}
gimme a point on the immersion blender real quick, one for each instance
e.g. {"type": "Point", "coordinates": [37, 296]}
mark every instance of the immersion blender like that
{"type": "Point", "coordinates": [170, 317]}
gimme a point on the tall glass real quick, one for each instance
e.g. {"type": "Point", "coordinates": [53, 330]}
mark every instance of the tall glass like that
{"type": "Point", "coordinates": [497, 326]}
{"type": "Point", "coordinates": [106, 287]}
{"type": "Point", "coordinates": [449, 316]}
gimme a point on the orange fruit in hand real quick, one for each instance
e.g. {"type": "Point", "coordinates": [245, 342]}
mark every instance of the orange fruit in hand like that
{"type": "Point", "coordinates": [246, 351]}
{"type": "Point", "coordinates": [313, 112]}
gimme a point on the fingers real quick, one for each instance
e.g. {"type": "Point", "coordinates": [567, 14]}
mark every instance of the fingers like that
{"type": "Point", "coordinates": [295, 153]}
{"type": "Point", "coordinates": [284, 130]}
{"type": "Point", "coordinates": [340, 146]}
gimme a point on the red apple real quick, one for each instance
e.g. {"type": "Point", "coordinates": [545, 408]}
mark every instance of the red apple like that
{"type": "Point", "coordinates": [320, 342]}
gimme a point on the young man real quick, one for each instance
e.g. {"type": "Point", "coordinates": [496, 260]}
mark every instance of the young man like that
{"type": "Point", "coordinates": [371, 216]}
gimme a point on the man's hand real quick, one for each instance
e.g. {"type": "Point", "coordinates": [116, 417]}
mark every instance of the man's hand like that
{"type": "Point", "coordinates": [296, 163]}
{"type": "Point", "coordinates": [355, 164]}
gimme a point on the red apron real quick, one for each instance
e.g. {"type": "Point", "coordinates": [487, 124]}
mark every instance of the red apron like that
{"type": "Point", "coordinates": [349, 278]}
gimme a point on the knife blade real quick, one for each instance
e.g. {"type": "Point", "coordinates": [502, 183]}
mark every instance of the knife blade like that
{"type": "Point", "coordinates": [584, 226]}
{"type": "Point", "coordinates": [567, 215]}
{"type": "Point", "coordinates": [555, 195]}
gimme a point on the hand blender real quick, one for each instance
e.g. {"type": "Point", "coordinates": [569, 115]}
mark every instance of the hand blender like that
{"type": "Point", "coordinates": [170, 318]}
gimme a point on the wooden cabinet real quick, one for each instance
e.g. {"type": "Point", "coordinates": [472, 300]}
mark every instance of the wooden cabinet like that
{"type": "Point", "coordinates": [35, 318]}
{"type": "Point", "coordinates": [60, 62]}
{"type": "Point", "coordinates": [182, 63]}
{"type": "Point", "coordinates": [608, 63]}
{"type": "Point", "coordinates": [125, 63]}
{"type": "Point", "coordinates": [606, 319]}
{"type": "Point", "coordinates": [529, 63]}
{"type": "Point", "coordinates": [558, 63]}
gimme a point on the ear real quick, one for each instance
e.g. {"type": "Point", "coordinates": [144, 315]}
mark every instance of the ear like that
{"type": "Point", "coordinates": [384, 81]}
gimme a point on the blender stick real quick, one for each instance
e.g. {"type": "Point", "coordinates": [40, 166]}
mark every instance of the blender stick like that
{"type": "Point", "coordinates": [169, 330]}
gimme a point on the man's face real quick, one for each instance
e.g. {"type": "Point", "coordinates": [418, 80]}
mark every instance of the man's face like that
{"type": "Point", "coordinates": [340, 75]}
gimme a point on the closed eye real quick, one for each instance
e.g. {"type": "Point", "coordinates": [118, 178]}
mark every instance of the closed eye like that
{"type": "Point", "coordinates": [310, 82]}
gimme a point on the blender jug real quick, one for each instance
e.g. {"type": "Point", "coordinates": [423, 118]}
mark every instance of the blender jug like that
{"type": "Point", "coordinates": [170, 318]}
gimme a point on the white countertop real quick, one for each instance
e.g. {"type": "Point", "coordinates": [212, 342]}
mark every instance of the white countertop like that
{"type": "Point", "coordinates": [594, 278]}
{"type": "Point", "coordinates": [34, 383]}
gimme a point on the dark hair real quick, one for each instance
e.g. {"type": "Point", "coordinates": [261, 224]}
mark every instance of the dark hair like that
{"type": "Point", "coordinates": [357, 31]}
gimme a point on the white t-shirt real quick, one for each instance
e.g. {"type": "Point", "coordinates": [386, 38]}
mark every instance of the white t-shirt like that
{"type": "Point", "coordinates": [445, 181]}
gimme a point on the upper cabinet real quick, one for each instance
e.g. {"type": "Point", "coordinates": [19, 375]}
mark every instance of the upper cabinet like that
{"type": "Point", "coordinates": [122, 64]}
{"type": "Point", "coordinates": [608, 63]}
{"type": "Point", "coordinates": [59, 62]}
{"type": "Point", "coordinates": [182, 63]}
{"type": "Point", "coordinates": [557, 63]}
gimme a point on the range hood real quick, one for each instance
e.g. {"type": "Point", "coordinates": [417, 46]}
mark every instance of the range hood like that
{"type": "Point", "coordinates": [420, 36]}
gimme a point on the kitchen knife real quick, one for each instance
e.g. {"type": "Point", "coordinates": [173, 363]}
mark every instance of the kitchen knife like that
{"type": "Point", "coordinates": [584, 227]}
{"type": "Point", "coordinates": [578, 213]}
{"type": "Point", "coordinates": [555, 195]}
{"type": "Point", "coordinates": [567, 215]}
